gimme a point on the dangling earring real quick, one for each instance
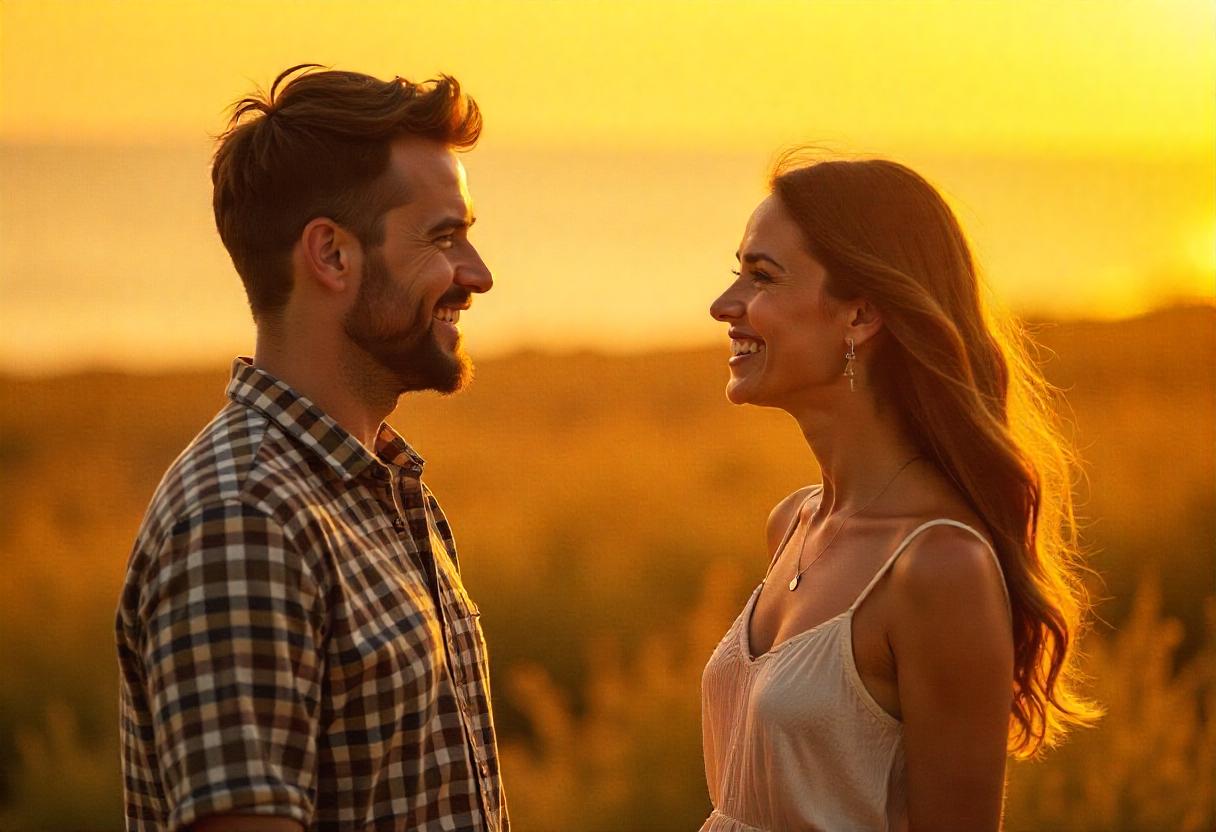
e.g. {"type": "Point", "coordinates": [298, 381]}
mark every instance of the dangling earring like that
{"type": "Point", "coordinates": [849, 369]}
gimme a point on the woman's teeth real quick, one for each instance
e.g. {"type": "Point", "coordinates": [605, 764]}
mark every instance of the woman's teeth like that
{"type": "Point", "coordinates": [449, 315]}
{"type": "Point", "coordinates": [745, 347]}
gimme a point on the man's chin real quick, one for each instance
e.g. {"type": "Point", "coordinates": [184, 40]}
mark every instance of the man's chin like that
{"type": "Point", "coordinates": [444, 372]}
{"type": "Point", "coordinates": [460, 378]}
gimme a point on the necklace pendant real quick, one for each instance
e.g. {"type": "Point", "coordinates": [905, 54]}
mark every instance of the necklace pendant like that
{"type": "Point", "coordinates": [794, 583]}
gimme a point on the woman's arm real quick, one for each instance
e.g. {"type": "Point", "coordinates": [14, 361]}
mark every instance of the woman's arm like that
{"type": "Point", "coordinates": [953, 647]}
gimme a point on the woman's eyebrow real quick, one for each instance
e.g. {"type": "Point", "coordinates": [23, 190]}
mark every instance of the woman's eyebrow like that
{"type": "Point", "coordinates": [756, 256]}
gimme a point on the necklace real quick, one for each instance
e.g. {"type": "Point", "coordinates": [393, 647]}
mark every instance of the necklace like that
{"type": "Point", "coordinates": [801, 569]}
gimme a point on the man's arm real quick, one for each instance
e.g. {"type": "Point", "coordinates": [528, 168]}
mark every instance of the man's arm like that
{"type": "Point", "coordinates": [231, 617]}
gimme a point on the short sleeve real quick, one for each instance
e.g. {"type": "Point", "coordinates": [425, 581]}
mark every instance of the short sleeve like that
{"type": "Point", "coordinates": [232, 653]}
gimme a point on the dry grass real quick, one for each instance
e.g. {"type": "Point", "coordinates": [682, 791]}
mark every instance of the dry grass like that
{"type": "Point", "coordinates": [609, 514]}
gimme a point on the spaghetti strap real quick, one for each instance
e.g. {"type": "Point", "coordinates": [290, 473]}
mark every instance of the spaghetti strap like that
{"type": "Point", "coordinates": [789, 532]}
{"type": "Point", "coordinates": [941, 521]}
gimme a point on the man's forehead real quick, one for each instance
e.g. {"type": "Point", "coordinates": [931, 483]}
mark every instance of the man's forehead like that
{"type": "Point", "coordinates": [462, 183]}
{"type": "Point", "coordinates": [426, 162]}
{"type": "Point", "coordinates": [431, 176]}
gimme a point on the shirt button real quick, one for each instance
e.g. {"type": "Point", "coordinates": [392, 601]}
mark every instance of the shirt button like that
{"type": "Point", "coordinates": [399, 524]}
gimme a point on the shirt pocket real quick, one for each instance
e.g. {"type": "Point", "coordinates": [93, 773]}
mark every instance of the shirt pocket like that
{"type": "Point", "coordinates": [470, 663]}
{"type": "Point", "coordinates": [471, 673]}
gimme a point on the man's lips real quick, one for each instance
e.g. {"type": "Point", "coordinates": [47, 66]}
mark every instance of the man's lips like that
{"type": "Point", "coordinates": [462, 301]}
{"type": "Point", "coordinates": [448, 310]}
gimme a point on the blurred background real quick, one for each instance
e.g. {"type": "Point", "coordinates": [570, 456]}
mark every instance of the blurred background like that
{"type": "Point", "coordinates": [608, 502]}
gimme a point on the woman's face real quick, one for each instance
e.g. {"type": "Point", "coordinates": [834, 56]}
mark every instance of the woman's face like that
{"type": "Point", "coordinates": [787, 338]}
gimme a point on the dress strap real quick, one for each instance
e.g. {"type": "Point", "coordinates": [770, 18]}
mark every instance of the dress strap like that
{"type": "Point", "coordinates": [941, 521]}
{"type": "Point", "coordinates": [815, 489]}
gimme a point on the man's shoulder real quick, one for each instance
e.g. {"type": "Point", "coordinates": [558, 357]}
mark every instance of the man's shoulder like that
{"type": "Point", "coordinates": [211, 468]}
{"type": "Point", "coordinates": [240, 483]}
{"type": "Point", "coordinates": [240, 456]}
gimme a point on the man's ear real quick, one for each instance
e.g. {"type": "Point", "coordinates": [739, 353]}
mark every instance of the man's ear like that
{"type": "Point", "coordinates": [329, 254]}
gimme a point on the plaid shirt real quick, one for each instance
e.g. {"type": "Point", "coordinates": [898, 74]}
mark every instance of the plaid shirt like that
{"type": "Point", "coordinates": [281, 647]}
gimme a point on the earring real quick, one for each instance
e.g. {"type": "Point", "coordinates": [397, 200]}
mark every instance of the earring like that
{"type": "Point", "coordinates": [849, 369]}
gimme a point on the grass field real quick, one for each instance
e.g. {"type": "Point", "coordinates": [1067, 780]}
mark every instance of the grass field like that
{"type": "Point", "coordinates": [609, 513]}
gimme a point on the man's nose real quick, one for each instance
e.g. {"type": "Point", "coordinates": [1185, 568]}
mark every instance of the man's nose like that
{"type": "Point", "coordinates": [474, 274]}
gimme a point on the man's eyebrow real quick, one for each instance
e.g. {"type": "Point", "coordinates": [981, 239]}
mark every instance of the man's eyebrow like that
{"type": "Point", "coordinates": [452, 223]}
{"type": "Point", "coordinates": [756, 257]}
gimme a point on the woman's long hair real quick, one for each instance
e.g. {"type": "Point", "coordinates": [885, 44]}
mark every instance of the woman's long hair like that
{"type": "Point", "coordinates": [963, 383]}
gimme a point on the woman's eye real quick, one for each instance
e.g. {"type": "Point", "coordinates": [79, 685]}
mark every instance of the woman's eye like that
{"type": "Point", "coordinates": [756, 275]}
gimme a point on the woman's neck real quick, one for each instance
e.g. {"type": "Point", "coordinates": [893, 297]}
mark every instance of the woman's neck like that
{"type": "Point", "coordinates": [859, 448]}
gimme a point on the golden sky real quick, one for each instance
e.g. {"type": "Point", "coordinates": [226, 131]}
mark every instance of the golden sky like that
{"type": "Point", "coordinates": [625, 145]}
{"type": "Point", "coordinates": [1062, 76]}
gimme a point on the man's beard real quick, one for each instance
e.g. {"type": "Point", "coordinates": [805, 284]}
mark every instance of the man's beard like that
{"type": "Point", "coordinates": [409, 351]}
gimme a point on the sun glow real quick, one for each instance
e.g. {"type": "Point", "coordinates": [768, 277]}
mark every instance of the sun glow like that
{"type": "Point", "coordinates": [625, 144]}
{"type": "Point", "coordinates": [1201, 251]}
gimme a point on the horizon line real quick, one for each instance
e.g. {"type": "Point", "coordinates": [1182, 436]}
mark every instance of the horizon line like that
{"type": "Point", "coordinates": [9, 372]}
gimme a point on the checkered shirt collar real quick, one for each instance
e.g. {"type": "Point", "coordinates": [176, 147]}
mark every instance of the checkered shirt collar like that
{"type": "Point", "coordinates": [302, 419]}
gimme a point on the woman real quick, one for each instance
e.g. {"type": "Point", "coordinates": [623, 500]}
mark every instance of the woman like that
{"type": "Point", "coordinates": [919, 609]}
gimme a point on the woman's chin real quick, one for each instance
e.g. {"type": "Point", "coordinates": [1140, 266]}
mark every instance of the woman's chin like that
{"type": "Point", "coordinates": [739, 391]}
{"type": "Point", "coordinates": [748, 391]}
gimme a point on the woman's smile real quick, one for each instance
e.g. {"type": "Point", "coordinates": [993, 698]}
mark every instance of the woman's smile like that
{"type": "Point", "coordinates": [744, 346]}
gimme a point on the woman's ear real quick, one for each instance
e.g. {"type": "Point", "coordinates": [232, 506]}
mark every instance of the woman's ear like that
{"type": "Point", "coordinates": [864, 321]}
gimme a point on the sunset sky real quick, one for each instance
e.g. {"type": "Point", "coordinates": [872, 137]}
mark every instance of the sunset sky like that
{"type": "Point", "coordinates": [625, 145]}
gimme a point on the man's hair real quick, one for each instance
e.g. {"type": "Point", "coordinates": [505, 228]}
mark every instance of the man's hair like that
{"type": "Point", "coordinates": [320, 148]}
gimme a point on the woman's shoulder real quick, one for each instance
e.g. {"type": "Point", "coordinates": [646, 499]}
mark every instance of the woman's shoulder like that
{"type": "Point", "coordinates": [949, 569]}
{"type": "Point", "coordinates": [781, 518]}
{"type": "Point", "coordinates": [942, 527]}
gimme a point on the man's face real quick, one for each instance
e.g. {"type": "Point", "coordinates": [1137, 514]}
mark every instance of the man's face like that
{"type": "Point", "coordinates": [404, 316]}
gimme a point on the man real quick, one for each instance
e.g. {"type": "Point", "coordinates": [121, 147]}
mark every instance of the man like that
{"type": "Point", "coordinates": [297, 650]}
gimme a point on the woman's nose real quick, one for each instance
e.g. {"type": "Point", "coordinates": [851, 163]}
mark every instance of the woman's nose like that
{"type": "Point", "coordinates": [725, 308]}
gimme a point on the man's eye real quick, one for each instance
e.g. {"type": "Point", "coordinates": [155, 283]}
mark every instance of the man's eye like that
{"type": "Point", "coordinates": [446, 241]}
